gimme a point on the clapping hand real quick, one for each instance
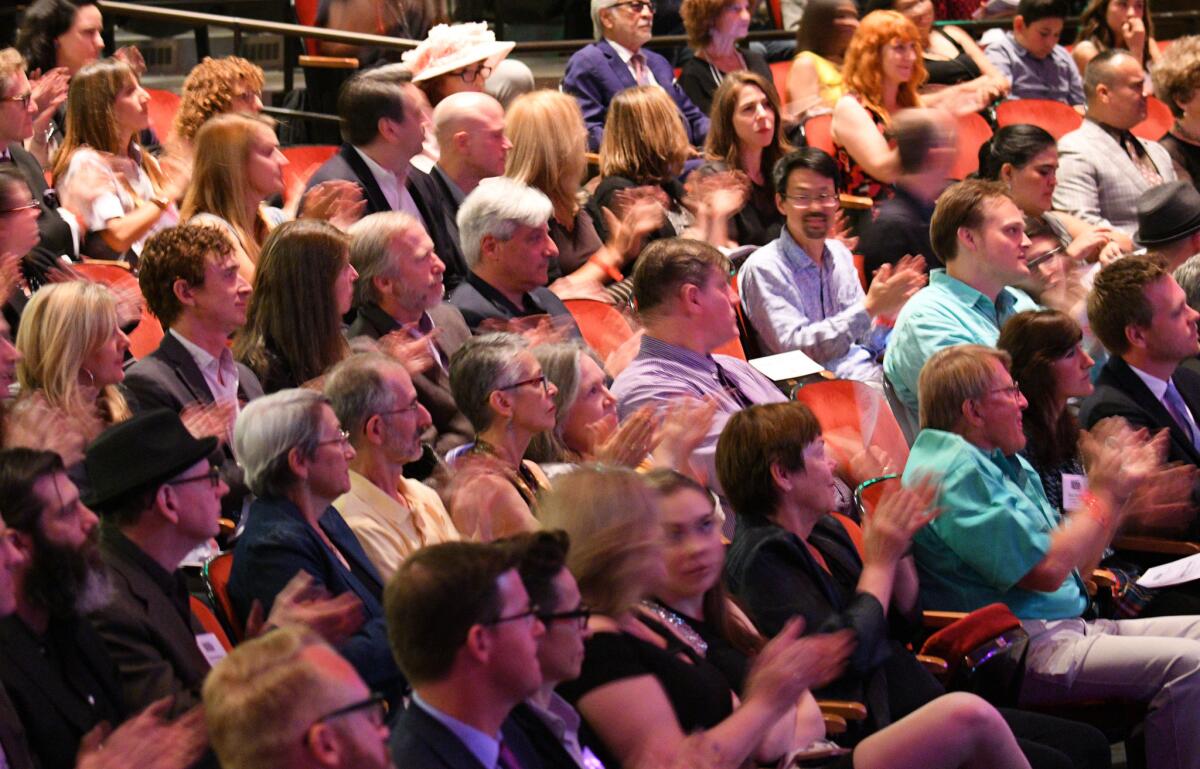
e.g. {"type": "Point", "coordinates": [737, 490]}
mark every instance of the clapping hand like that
{"type": "Point", "coordinates": [303, 602]}
{"type": "Point", "coordinates": [147, 741]}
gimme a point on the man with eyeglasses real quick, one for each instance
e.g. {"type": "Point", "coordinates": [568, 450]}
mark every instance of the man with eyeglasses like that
{"type": "Point", "coordinates": [801, 291]}
{"type": "Point", "coordinates": [1141, 316]}
{"type": "Point", "coordinates": [465, 632]}
{"type": "Point", "coordinates": [597, 72]}
{"type": "Point", "coordinates": [979, 234]}
{"type": "Point", "coordinates": [287, 699]}
{"type": "Point", "coordinates": [17, 111]}
{"type": "Point", "coordinates": [551, 723]}
{"type": "Point", "coordinates": [392, 516]}
{"type": "Point", "coordinates": [998, 539]}
{"type": "Point", "coordinates": [156, 512]}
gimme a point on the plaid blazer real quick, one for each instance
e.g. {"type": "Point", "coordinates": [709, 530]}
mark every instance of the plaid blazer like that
{"type": "Point", "coordinates": [1097, 180]}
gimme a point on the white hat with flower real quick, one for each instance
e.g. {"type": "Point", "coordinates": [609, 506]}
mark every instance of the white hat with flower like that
{"type": "Point", "coordinates": [450, 47]}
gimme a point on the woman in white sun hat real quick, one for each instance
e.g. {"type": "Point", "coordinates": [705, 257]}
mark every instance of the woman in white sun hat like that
{"type": "Point", "coordinates": [455, 58]}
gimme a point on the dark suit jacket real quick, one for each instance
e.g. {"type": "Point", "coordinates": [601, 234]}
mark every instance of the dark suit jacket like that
{"type": "Point", "coordinates": [55, 238]}
{"type": "Point", "coordinates": [450, 428]}
{"type": "Point", "coordinates": [347, 165]}
{"type": "Point", "coordinates": [595, 74]}
{"type": "Point", "coordinates": [150, 637]}
{"type": "Point", "coordinates": [277, 543]}
{"type": "Point", "coordinates": [12, 735]}
{"type": "Point", "coordinates": [478, 301]}
{"type": "Point", "coordinates": [549, 749]}
{"type": "Point", "coordinates": [1120, 392]}
{"type": "Point", "coordinates": [420, 741]}
{"type": "Point", "coordinates": [169, 378]}
{"type": "Point", "coordinates": [55, 716]}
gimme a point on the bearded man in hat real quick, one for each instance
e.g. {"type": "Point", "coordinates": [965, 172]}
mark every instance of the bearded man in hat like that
{"type": "Point", "coordinates": [156, 511]}
{"type": "Point", "coordinates": [1169, 222]}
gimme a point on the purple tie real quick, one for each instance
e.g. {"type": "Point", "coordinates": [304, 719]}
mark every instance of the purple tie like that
{"type": "Point", "coordinates": [507, 759]}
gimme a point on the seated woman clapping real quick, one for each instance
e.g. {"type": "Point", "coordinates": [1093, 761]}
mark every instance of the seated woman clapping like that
{"type": "Point", "coordinates": [646, 683]}
{"type": "Point", "coordinates": [789, 558]}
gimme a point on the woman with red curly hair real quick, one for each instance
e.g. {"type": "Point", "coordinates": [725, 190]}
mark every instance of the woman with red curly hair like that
{"type": "Point", "coordinates": [214, 87]}
{"type": "Point", "coordinates": [882, 72]}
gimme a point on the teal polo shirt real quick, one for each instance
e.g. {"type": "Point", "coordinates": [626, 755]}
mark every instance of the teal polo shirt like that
{"type": "Point", "coordinates": [994, 527]}
{"type": "Point", "coordinates": [945, 313]}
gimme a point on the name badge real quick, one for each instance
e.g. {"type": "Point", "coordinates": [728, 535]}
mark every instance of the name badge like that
{"type": "Point", "coordinates": [210, 646]}
{"type": "Point", "coordinates": [1074, 486]}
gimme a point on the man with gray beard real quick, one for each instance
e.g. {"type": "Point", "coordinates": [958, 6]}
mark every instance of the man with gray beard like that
{"type": "Point", "coordinates": [52, 663]}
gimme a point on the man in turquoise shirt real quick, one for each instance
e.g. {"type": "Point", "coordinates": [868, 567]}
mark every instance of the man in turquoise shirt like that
{"type": "Point", "coordinates": [998, 539]}
{"type": "Point", "coordinates": [979, 233]}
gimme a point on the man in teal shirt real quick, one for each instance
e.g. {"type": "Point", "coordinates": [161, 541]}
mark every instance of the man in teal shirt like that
{"type": "Point", "coordinates": [979, 234]}
{"type": "Point", "coordinates": [997, 539]}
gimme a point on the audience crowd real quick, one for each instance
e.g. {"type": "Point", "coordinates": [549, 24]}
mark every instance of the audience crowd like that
{"type": "Point", "coordinates": [458, 450]}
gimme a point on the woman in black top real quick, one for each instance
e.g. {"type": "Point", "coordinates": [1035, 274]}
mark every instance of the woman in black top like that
{"type": "Point", "coordinates": [788, 558]}
{"type": "Point", "coordinates": [713, 29]}
{"type": "Point", "coordinates": [646, 684]}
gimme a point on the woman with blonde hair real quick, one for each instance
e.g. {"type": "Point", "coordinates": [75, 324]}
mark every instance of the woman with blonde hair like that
{"type": "Point", "coordinates": [120, 193]}
{"type": "Point", "coordinates": [642, 156]}
{"type": "Point", "coordinates": [215, 87]}
{"type": "Point", "coordinates": [72, 355]}
{"type": "Point", "coordinates": [746, 134]}
{"type": "Point", "coordinates": [647, 683]}
{"type": "Point", "coordinates": [549, 142]}
{"type": "Point", "coordinates": [238, 166]}
{"type": "Point", "coordinates": [882, 73]}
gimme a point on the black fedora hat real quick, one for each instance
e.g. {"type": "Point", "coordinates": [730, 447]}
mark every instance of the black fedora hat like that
{"type": "Point", "coordinates": [151, 446]}
{"type": "Point", "coordinates": [1167, 213]}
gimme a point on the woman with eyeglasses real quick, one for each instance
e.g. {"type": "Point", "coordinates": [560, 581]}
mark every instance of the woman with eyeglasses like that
{"type": "Point", "coordinates": [648, 691]}
{"type": "Point", "coordinates": [499, 386]}
{"type": "Point", "coordinates": [791, 558]}
{"type": "Point", "coordinates": [714, 28]}
{"type": "Point", "coordinates": [1025, 158]}
{"type": "Point", "coordinates": [302, 288]}
{"type": "Point", "coordinates": [455, 58]}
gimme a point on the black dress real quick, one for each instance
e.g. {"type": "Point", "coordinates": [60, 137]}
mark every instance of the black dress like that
{"type": "Point", "coordinates": [1185, 154]}
{"type": "Point", "coordinates": [960, 69]}
{"type": "Point", "coordinates": [697, 690]}
{"type": "Point", "coordinates": [700, 80]}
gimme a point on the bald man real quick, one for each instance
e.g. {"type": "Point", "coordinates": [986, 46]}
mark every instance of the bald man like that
{"type": "Point", "coordinates": [469, 127]}
{"type": "Point", "coordinates": [1103, 168]}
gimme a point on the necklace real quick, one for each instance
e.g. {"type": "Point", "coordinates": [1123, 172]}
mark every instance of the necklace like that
{"type": "Point", "coordinates": [679, 625]}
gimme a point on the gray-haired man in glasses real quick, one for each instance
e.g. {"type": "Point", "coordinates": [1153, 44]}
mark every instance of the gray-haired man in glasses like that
{"type": "Point", "coordinates": [596, 73]}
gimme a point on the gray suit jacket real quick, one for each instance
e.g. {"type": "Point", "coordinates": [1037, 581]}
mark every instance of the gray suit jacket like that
{"type": "Point", "coordinates": [1097, 180]}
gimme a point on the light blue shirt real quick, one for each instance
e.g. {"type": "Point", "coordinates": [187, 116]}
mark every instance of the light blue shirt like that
{"type": "Point", "coordinates": [1055, 77]}
{"type": "Point", "coordinates": [796, 304]}
{"type": "Point", "coordinates": [485, 747]}
{"type": "Point", "coordinates": [994, 527]}
{"type": "Point", "coordinates": [945, 313]}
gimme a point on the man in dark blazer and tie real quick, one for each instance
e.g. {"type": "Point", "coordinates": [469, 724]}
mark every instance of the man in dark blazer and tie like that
{"type": "Point", "coordinates": [597, 72]}
{"type": "Point", "coordinates": [399, 289]}
{"type": "Point", "coordinates": [1141, 316]}
{"type": "Point", "coordinates": [382, 130]}
{"type": "Point", "coordinates": [468, 667]}
{"type": "Point", "coordinates": [189, 277]}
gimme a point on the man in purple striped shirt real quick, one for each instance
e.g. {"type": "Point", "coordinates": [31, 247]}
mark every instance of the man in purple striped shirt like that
{"type": "Point", "coordinates": [687, 306]}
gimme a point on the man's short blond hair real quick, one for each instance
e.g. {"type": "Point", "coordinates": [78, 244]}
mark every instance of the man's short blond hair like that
{"type": "Point", "coordinates": [261, 699]}
{"type": "Point", "coordinates": [11, 62]}
{"type": "Point", "coordinates": [950, 378]}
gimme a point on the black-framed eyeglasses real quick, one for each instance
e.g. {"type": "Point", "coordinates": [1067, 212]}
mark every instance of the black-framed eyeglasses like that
{"type": "Point", "coordinates": [212, 475]}
{"type": "Point", "coordinates": [637, 6]}
{"type": "Point", "coordinates": [343, 437]}
{"type": "Point", "coordinates": [376, 705]}
{"type": "Point", "coordinates": [530, 613]}
{"type": "Point", "coordinates": [468, 74]}
{"type": "Point", "coordinates": [580, 614]}
{"type": "Point", "coordinates": [540, 379]}
{"type": "Point", "coordinates": [24, 98]}
{"type": "Point", "coordinates": [804, 199]}
{"type": "Point", "coordinates": [31, 205]}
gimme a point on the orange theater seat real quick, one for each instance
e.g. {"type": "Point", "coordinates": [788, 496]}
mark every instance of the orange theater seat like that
{"type": "Point", "coordinates": [818, 133]}
{"type": "Point", "coordinates": [1158, 120]}
{"type": "Point", "coordinates": [1057, 118]}
{"type": "Point", "coordinates": [144, 339]}
{"type": "Point", "coordinates": [303, 159]}
{"type": "Point", "coordinates": [216, 579]}
{"type": "Point", "coordinates": [603, 326]}
{"type": "Point", "coordinates": [779, 74]}
{"type": "Point", "coordinates": [973, 131]}
{"type": "Point", "coordinates": [208, 621]}
{"type": "Point", "coordinates": [162, 108]}
{"type": "Point", "coordinates": [853, 418]}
